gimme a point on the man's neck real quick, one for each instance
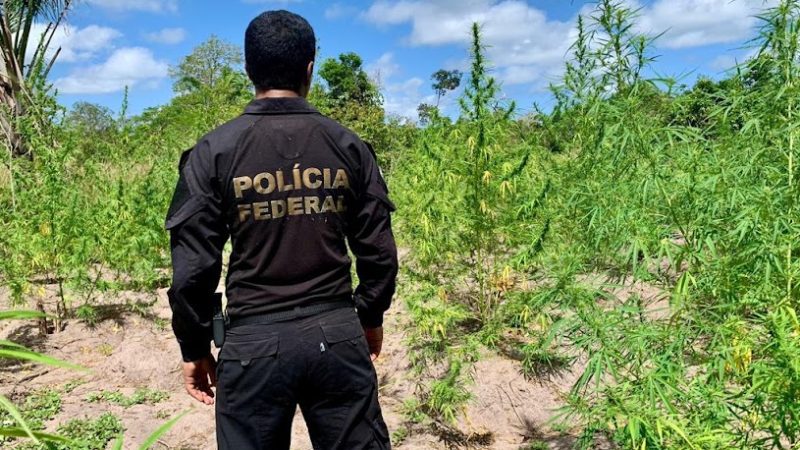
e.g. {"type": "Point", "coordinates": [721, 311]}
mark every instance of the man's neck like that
{"type": "Point", "coordinates": [276, 93]}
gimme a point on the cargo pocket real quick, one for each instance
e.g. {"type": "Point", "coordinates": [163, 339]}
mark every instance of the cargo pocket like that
{"type": "Point", "coordinates": [245, 367]}
{"type": "Point", "coordinates": [349, 367]}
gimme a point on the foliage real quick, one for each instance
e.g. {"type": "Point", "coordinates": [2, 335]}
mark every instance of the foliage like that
{"type": "Point", "coordinates": [91, 434]}
{"type": "Point", "coordinates": [463, 201]}
{"type": "Point", "coordinates": [346, 81]}
{"type": "Point", "coordinates": [348, 95]}
{"type": "Point", "coordinates": [444, 81]}
{"type": "Point", "coordinates": [91, 118]}
{"type": "Point", "coordinates": [427, 114]}
{"type": "Point", "coordinates": [139, 397]}
{"type": "Point", "coordinates": [527, 235]}
{"type": "Point", "coordinates": [27, 60]}
{"type": "Point", "coordinates": [38, 408]}
{"type": "Point", "coordinates": [691, 193]}
{"type": "Point", "coordinates": [207, 65]}
{"type": "Point", "coordinates": [701, 207]}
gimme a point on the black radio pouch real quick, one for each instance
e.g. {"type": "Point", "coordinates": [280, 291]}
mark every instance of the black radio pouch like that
{"type": "Point", "coordinates": [218, 322]}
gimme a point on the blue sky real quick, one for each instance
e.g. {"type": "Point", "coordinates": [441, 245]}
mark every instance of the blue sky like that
{"type": "Point", "coordinates": [110, 44]}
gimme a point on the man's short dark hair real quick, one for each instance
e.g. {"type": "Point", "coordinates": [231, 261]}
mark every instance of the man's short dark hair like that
{"type": "Point", "coordinates": [278, 45]}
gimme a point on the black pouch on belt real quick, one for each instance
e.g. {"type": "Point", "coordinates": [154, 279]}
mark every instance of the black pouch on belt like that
{"type": "Point", "coordinates": [218, 322]}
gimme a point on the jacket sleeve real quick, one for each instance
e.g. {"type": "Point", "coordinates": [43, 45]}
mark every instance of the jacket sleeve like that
{"type": "Point", "coordinates": [372, 242]}
{"type": "Point", "coordinates": [197, 236]}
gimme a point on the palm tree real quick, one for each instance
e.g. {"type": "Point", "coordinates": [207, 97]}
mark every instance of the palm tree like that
{"type": "Point", "coordinates": [24, 58]}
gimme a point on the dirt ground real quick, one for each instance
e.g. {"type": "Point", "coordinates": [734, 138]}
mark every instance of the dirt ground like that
{"type": "Point", "coordinates": [125, 351]}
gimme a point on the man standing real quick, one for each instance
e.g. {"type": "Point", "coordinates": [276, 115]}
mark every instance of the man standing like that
{"type": "Point", "coordinates": [292, 189]}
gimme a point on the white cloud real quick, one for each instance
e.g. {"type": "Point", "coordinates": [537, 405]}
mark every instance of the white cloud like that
{"type": "Point", "coordinates": [400, 98]}
{"type": "Point", "coordinates": [528, 47]}
{"type": "Point", "coordinates": [129, 66]}
{"type": "Point", "coordinates": [727, 61]}
{"type": "Point", "coordinates": [169, 36]}
{"type": "Point", "coordinates": [137, 5]}
{"type": "Point", "coordinates": [694, 23]}
{"type": "Point", "coordinates": [339, 11]}
{"type": "Point", "coordinates": [403, 98]}
{"type": "Point", "coordinates": [522, 42]}
{"type": "Point", "coordinates": [722, 63]}
{"type": "Point", "coordinates": [77, 44]}
{"type": "Point", "coordinates": [382, 68]}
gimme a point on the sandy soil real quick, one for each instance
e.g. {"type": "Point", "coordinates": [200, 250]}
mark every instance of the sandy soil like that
{"type": "Point", "coordinates": [125, 351]}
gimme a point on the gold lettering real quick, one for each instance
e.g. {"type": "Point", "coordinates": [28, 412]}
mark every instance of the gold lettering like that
{"type": "Point", "coordinates": [328, 205]}
{"type": "Point", "coordinates": [326, 175]}
{"type": "Point", "coordinates": [295, 205]}
{"type": "Point", "coordinates": [241, 184]}
{"type": "Point", "coordinates": [282, 186]}
{"type": "Point", "coordinates": [312, 205]}
{"type": "Point", "coordinates": [341, 180]}
{"type": "Point", "coordinates": [244, 211]}
{"type": "Point", "coordinates": [340, 206]}
{"type": "Point", "coordinates": [260, 211]}
{"type": "Point", "coordinates": [258, 182]}
{"type": "Point", "coordinates": [307, 178]}
{"type": "Point", "coordinates": [296, 176]}
{"type": "Point", "coordinates": [278, 208]}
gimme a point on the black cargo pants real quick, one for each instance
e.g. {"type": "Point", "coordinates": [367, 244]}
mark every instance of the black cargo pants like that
{"type": "Point", "coordinates": [319, 362]}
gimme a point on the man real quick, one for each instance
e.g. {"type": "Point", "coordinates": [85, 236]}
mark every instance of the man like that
{"type": "Point", "coordinates": [291, 188]}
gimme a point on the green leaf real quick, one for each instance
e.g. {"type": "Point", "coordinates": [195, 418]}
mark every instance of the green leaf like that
{"type": "Point", "coordinates": [118, 443]}
{"type": "Point", "coordinates": [163, 429]}
{"type": "Point", "coordinates": [20, 315]}
{"type": "Point", "coordinates": [17, 416]}
{"type": "Point", "coordinates": [29, 355]}
{"type": "Point", "coordinates": [43, 437]}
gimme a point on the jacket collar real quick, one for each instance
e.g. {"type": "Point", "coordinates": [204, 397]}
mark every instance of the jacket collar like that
{"type": "Point", "coordinates": [281, 105]}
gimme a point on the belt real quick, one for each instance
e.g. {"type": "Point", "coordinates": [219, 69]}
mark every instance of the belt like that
{"type": "Point", "coordinates": [290, 314]}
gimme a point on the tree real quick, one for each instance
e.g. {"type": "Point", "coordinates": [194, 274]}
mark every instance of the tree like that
{"type": "Point", "coordinates": [206, 65]}
{"type": "Point", "coordinates": [91, 117]}
{"type": "Point", "coordinates": [21, 68]}
{"type": "Point", "coordinates": [427, 113]}
{"type": "Point", "coordinates": [347, 81]}
{"type": "Point", "coordinates": [444, 81]}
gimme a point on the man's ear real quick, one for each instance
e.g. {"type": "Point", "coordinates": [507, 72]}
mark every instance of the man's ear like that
{"type": "Point", "coordinates": [310, 72]}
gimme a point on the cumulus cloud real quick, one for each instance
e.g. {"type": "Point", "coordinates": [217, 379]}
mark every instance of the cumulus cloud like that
{"type": "Point", "coordinates": [400, 97]}
{"type": "Point", "coordinates": [169, 36]}
{"type": "Point", "coordinates": [77, 44]}
{"type": "Point", "coordinates": [403, 98]}
{"type": "Point", "coordinates": [528, 47]}
{"type": "Point", "coordinates": [727, 62]}
{"type": "Point", "coordinates": [129, 66]}
{"type": "Point", "coordinates": [522, 42]}
{"type": "Point", "coordinates": [137, 5]}
{"type": "Point", "coordinates": [382, 68]}
{"type": "Point", "coordinates": [695, 23]}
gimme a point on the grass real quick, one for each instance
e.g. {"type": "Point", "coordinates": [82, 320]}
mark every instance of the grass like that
{"type": "Point", "coordinates": [92, 434]}
{"type": "Point", "coordinates": [84, 434]}
{"type": "Point", "coordinates": [38, 408]}
{"type": "Point", "coordinates": [142, 396]}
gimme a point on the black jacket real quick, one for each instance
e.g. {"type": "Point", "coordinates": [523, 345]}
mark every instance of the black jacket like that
{"type": "Point", "coordinates": [290, 187]}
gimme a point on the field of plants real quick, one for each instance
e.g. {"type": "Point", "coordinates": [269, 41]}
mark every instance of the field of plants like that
{"type": "Point", "coordinates": [629, 260]}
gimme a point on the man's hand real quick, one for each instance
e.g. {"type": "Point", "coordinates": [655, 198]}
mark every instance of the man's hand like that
{"type": "Point", "coordinates": [374, 341]}
{"type": "Point", "coordinates": [199, 377]}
